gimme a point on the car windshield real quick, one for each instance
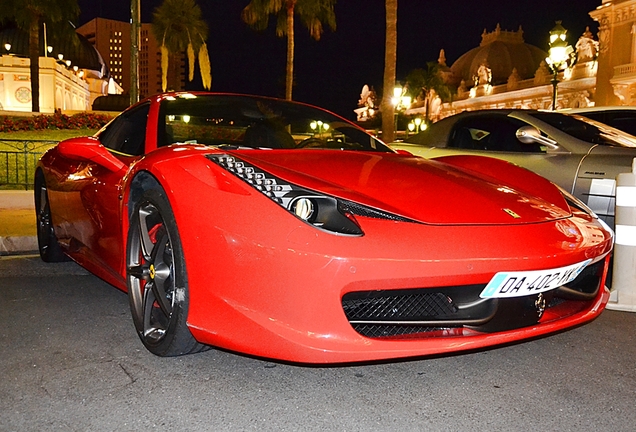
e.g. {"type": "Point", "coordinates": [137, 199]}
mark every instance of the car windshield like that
{"type": "Point", "coordinates": [587, 129]}
{"type": "Point", "coordinates": [257, 122]}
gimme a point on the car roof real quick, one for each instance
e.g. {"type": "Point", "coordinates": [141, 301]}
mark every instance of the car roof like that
{"type": "Point", "coordinates": [598, 109]}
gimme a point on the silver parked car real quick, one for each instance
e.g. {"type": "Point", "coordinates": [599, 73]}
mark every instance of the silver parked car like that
{"type": "Point", "coordinates": [581, 155]}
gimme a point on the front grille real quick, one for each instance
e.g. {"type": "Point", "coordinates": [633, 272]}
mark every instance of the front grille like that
{"type": "Point", "coordinates": [397, 305]}
{"type": "Point", "coordinates": [394, 331]}
{"type": "Point", "coordinates": [424, 312]}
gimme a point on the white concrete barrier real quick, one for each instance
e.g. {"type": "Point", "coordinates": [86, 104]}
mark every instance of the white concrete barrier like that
{"type": "Point", "coordinates": [623, 294]}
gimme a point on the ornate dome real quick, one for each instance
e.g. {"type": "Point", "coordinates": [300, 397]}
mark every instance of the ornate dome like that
{"type": "Point", "coordinates": [500, 51]}
{"type": "Point", "coordinates": [75, 48]}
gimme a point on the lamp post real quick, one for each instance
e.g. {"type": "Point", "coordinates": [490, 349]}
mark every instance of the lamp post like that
{"type": "Point", "coordinates": [560, 54]}
{"type": "Point", "coordinates": [400, 101]}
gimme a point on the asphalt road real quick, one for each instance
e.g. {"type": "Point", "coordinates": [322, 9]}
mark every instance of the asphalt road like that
{"type": "Point", "coordinates": [70, 361]}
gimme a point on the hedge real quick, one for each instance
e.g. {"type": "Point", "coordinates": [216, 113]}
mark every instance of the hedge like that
{"type": "Point", "coordinates": [55, 121]}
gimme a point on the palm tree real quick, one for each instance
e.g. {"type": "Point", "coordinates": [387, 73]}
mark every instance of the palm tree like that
{"type": "Point", "coordinates": [313, 13]}
{"type": "Point", "coordinates": [425, 84]}
{"type": "Point", "coordinates": [29, 15]}
{"type": "Point", "coordinates": [390, 59]}
{"type": "Point", "coordinates": [179, 27]}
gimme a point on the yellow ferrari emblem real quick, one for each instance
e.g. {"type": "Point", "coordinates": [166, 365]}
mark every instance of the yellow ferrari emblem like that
{"type": "Point", "coordinates": [511, 213]}
{"type": "Point", "coordinates": [151, 271]}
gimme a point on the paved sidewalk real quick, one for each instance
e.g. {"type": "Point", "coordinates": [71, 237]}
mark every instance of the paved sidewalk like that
{"type": "Point", "coordinates": [17, 223]}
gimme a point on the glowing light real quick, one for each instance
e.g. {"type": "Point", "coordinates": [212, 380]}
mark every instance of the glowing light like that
{"type": "Point", "coordinates": [303, 208]}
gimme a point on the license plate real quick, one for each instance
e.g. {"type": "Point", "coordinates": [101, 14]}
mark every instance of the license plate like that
{"type": "Point", "coordinates": [519, 284]}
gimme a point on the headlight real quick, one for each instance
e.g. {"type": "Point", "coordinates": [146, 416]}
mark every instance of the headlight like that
{"type": "Point", "coordinates": [321, 211]}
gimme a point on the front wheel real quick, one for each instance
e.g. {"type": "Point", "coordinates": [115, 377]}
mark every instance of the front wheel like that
{"type": "Point", "coordinates": [157, 278]}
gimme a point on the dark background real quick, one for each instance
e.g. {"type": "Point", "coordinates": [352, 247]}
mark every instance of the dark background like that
{"type": "Point", "coordinates": [331, 72]}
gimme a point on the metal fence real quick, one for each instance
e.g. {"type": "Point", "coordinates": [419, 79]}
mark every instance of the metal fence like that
{"type": "Point", "coordinates": [17, 161]}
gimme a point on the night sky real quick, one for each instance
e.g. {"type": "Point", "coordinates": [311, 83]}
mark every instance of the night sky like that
{"type": "Point", "coordinates": [331, 72]}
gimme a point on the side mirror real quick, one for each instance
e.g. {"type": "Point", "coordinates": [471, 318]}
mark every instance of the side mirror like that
{"type": "Point", "coordinates": [531, 135]}
{"type": "Point", "coordinates": [90, 149]}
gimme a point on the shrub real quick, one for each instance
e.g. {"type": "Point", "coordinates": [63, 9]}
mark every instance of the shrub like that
{"type": "Point", "coordinates": [83, 120]}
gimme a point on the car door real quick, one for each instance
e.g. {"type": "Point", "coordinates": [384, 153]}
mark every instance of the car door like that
{"type": "Point", "coordinates": [92, 194]}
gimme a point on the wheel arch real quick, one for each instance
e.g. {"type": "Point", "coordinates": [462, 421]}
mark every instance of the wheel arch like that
{"type": "Point", "coordinates": [141, 182]}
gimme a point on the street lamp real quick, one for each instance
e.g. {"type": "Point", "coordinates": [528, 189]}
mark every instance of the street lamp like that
{"type": "Point", "coordinates": [417, 125]}
{"type": "Point", "coordinates": [318, 127]}
{"type": "Point", "coordinates": [418, 122]}
{"type": "Point", "coordinates": [560, 54]}
{"type": "Point", "coordinates": [411, 128]}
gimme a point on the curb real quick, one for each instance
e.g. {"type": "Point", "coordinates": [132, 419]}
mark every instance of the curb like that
{"type": "Point", "coordinates": [17, 223]}
{"type": "Point", "coordinates": [13, 245]}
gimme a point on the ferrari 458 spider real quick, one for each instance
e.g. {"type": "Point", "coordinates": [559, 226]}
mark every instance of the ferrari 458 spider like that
{"type": "Point", "coordinates": [280, 230]}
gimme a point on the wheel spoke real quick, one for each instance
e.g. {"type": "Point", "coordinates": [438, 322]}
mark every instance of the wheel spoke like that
{"type": "Point", "coordinates": [162, 274]}
{"type": "Point", "coordinates": [146, 243]}
{"type": "Point", "coordinates": [148, 303]}
{"type": "Point", "coordinates": [160, 295]}
{"type": "Point", "coordinates": [43, 199]}
{"type": "Point", "coordinates": [154, 321]}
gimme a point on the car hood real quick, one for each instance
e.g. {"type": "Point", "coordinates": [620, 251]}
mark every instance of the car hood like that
{"type": "Point", "coordinates": [419, 189]}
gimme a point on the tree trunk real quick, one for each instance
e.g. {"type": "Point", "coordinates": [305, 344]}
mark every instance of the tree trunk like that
{"type": "Point", "coordinates": [427, 94]}
{"type": "Point", "coordinates": [34, 58]}
{"type": "Point", "coordinates": [289, 78]}
{"type": "Point", "coordinates": [390, 58]}
{"type": "Point", "coordinates": [135, 28]}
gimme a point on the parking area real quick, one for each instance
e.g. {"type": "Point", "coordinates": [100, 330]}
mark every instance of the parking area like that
{"type": "Point", "coordinates": [71, 361]}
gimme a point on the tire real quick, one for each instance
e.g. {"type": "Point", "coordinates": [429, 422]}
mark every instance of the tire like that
{"type": "Point", "coordinates": [48, 246]}
{"type": "Point", "coordinates": [157, 278]}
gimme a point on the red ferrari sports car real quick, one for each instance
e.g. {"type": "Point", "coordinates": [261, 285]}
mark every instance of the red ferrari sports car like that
{"type": "Point", "coordinates": [281, 230]}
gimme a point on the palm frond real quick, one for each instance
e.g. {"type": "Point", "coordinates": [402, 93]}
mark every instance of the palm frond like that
{"type": "Point", "coordinates": [206, 68]}
{"type": "Point", "coordinates": [191, 59]}
{"type": "Point", "coordinates": [175, 20]}
{"type": "Point", "coordinates": [164, 67]}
